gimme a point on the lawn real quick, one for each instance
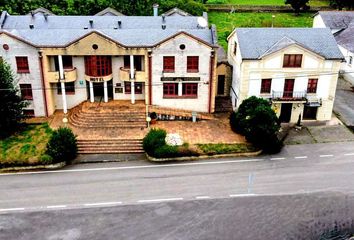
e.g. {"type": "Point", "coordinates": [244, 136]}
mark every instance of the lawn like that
{"type": "Point", "coordinates": [26, 147]}
{"type": "Point", "coordinates": [316, 3]}
{"type": "Point", "coordinates": [226, 22]}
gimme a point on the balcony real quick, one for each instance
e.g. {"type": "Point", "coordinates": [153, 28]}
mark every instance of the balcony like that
{"type": "Point", "coordinates": [70, 75]}
{"type": "Point", "coordinates": [139, 76]}
{"type": "Point", "coordinates": [289, 96]}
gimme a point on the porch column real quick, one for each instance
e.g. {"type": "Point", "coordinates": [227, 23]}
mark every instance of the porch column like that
{"type": "Point", "coordinates": [92, 97]}
{"type": "Point", "coordinates": [132, 73]}
{"type": "Point", "coordinates": [62, 83]}
{"type": "Point", "coordinates": [105, 92]}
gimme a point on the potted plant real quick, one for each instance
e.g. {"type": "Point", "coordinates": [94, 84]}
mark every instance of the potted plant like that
{"type": "Point", "coordinates": [153, 117]}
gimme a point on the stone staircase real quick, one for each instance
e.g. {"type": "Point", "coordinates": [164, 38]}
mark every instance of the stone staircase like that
{"type": "Point", "coordinates": [223, 104]}
{"type": "Point", "coordinates": [114, 127]}
{"type": "Point", "coordinates": [112, 146]}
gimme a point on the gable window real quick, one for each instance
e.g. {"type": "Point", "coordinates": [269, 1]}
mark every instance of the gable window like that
{"type": "Point", "coordinates": [168, 64]}
{"type": "Point", "coordinates": [138, 87]}
{"type": "Point", "coordinates": [69, 88]}
{"type": "Point", "coordinates": [170, 89]}
{"type": "Point", "coordinates": [26, 91]}
{"type": "Point", "coordinates": [292, 60]}
{"type": "Point", "coordinates": [22, 65]}
{"type": "Point", "coordinates": [235, 48]}
{"type": "Point", "coordinates": [266, 85]}
{"type": "Point", "coordinates": [350, 60]}
{"type": "Point", "coordinates": [312, 85]}
{"type": "Point", "coordinates": [192, 64]}
{"type": "Point", "coordinates": [190, 89]}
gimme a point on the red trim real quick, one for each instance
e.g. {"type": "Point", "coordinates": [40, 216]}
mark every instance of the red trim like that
{"type": "Point", "coordinates": [43, 85]}
{"type": "Point", "coordinates": [150, 80]}
{"type": "Point", "coordinates": [211, 80]}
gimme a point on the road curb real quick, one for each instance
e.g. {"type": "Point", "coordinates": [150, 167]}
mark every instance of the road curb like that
{"type": "Point", "coordinates": [36, 167]}
{"type": "Point", "coordinates": [246, 154]}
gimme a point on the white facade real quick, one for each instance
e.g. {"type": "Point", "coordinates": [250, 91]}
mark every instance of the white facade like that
{"type": "Point", "coordinates": [21, 49]}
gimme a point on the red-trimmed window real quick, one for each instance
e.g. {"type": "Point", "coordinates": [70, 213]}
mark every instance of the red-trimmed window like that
{"type": "Point", "coordinates": [22, 65]}
{"type": "Point", "coordinates": [170, 89]}
{"type": "Point", "coordinates": [192, 64]}
{"type": "Point", "coordinates": [26, 91]}
{"type": "Point", "coordinates": [28, 112]}
{"type": "Point", "coordinates": [168, 64]}
{"type": "Point", "coordinates": [292, 60]}
{"type": "Point", "coordinates": [190, 89]}
{"type": "Point", "coordinates": [138, 87]}
{"type": "Point", "coordinates": [69, 88]}
{"type": "Point", "coordinates": [98, 66]}
{"type": "Point", "coordinates": [312, 85]}
{"type": "Point", "coordinates": [266, 85]}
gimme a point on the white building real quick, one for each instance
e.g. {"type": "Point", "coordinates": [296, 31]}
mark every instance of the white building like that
{"type": "Point", "coordinates": [295, 68]}
{"type": "Point", "coordinates": [342, 27]}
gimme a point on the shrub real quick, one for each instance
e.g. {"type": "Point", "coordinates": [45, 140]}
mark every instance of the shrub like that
{"type": "Point", "coordinates": [62, 145]}
{"type": "Point", "coordinates": [217, 1]}
{"type": "Point", "coordinates": [153, 140]}
{"type": "Point", "coordinates": [46, 159]}
{"type": "Point", "coordinates": [166, 151]}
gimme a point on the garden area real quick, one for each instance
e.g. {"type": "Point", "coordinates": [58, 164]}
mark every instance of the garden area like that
{"type": "Point", "coordinates": [226, 22]}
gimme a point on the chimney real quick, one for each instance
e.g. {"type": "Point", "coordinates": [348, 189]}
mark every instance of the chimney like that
{"type": "Point", "coordinates": [119, 24]}
{"type": "Point", "coordinates": [31, 26]}
{"type": "Point", "coordinates": [156, 9]}
{"type": "Point", "coordinates": [91, 23]}
{"type": "Point", "coordinates": [163, 17]}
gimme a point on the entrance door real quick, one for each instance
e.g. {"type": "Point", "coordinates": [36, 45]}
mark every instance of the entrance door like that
{"type": "Point", "coordinates": [221, 84]}
{"type": "Point", "coordinates": [110, 89]}
{"type": "Point", "coordinates": [98, 89]}
{"type": "Point", "coordinates": [288, 88]}
{"type": "Point", "coordinates": [285, 113]}
{"type": "Point", "coordinates": [310, 113]}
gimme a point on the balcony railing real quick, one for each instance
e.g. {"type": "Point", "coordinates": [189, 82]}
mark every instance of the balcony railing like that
{"type": "Point", "coordinates": [70, 75]}
{"type": "Point", "coordinates": [124, 74]}
{"type": "Point", "coordinates": [289, 96]}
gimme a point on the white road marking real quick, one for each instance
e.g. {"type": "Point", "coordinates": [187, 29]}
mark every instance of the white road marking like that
{"type": "Point", "coordinates": [300, 157]}
{"type": "Point", "coordinates": [159, 200]}
{"type": "Point", "coordinates": [136, 167]}
{"type": "Point", "coordinates": [279, 158]}
{"type": "Point", "coordinates": [324, 156]}
{"type": "Point", "coordinates": [349, 154]}
{"type": "Point", "coordinates": [57, 206]}
{"type": "Point", "coordinates": [101, 204]}
{"type": "Point", "coordinates": [202, 197]}
{"type": "Point", "coordinates": [243, 195]}
{"type": "Point", "coordinates": [11, 209]}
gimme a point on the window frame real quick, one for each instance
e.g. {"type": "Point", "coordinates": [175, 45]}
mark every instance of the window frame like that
{"type": "Point", "coordinates": [292, 60]}
{"type": "Point", "coordinates": [192, 64]}
{"type": "Point", "coordinates": [26, 91]}
{"type": "Point", "coordinates": [28, 112]}
{"type": "Point", "coordinates": [312, 84]}
{"type": "Point", "coordinates": [22, 64]}
{"type": "Point", "coordinates": [266, 86]}
{"type": "Point", "coordinates": [167, 87]}
{"type": "Point", "coordinates": [128, 90]}
{"type": "Point", "coordinates": [189, 89]}
{"type": "Point", "coordinates": [98, 66]}
{"type": "Point", "coordinates": [67, 62]}
{"type": "Point", "coordinates": [169, 64]}
{"type": "Point", "coordinates": [69, 89]}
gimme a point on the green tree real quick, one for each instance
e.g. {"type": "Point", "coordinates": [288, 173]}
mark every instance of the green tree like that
{"type": "Point", "coordinates": [298, 5]}
{"type": "Point", "coordinates": [340, 4]}
{"type": "Point", "coordinates": [11, 103]}
{"type": "Point", "coordinates": [256, 120]}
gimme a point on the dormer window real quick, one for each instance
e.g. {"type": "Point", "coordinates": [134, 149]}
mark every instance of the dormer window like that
{"type": "Point", "coordinates": [292, 61]}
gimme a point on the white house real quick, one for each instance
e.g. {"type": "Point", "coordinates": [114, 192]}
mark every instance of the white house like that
{"type": "Point", "coordinates": [295, 68]}
{"type": "Point", "coordinates": [342, 27]}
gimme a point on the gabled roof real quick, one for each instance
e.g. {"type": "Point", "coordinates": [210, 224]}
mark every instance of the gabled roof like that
{"type": "Point", "coordinates": [176, 11]}
{"type": "Point", "coordinates": [337, 19]}
{"type": "Point", "coordinates": [129, 31]}
{"type": "Point", "coordinates": [255, 43]}
{"type": "Point", "coordinates": [109, 12]}
{"type": "Point", "coordinates": [345, 39]}
{"type": "Point", "coordinates": [42, 11]}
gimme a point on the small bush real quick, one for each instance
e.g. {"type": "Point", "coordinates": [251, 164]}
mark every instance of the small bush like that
{"type": "Point", "coordinates": [62, 145]}
{"type": "Point", "coordinates": [153, 140]}
{"type": "Point", "coordinates": [166, 151]}
{"type": "Point", "coordinates": [46, 159]}
{"type": "Point", "coordinates": [217, 1]}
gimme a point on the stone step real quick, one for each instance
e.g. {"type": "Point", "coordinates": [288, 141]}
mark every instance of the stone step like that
{"type": "Point", "coordinates": [113, 140]}
{"type": "Point", "coordinates": [109, 152]}
{"type": "Point", "coordinates": [86, 146]}
{"type": "Point", "coordinates": [111, 114]}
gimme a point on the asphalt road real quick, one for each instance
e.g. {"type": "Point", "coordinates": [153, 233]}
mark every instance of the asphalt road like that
{"type": "Point", "coordinates": [239, 198]}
